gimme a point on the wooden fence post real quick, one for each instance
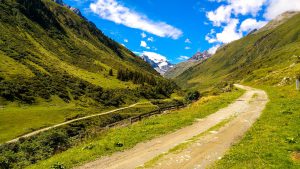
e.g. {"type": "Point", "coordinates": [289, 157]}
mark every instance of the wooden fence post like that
{"type": "Point", "coordinates": [297, 84]}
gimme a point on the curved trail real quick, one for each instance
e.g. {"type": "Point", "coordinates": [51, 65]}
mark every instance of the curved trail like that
{"type": "Point", "coordinates": [205, 151]}
{"type": "Point", "coordinates": [68, 122]}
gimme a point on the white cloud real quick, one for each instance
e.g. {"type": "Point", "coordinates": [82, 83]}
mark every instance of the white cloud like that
{"type": "Point", "coordinates": [187, 41]}
{"type": "Point", "coordinates": [224, 12]}
{"type": "Point", "coordinates": [183, 58]}
{"type": "Point", "coordinates": [126, 40]}
{"type": "Point", "coordinates": [144, 44]}
{"type": "Point", "coordinates": [220, 15]}
{"type": "Point", "coordinates": [123, 45]}
{"type": "Point", "coordinates": [251, 24]}
{"type": "Point", "coordinates": [213, 49]}
{"type": "Point", "coordinates": [143, 35]}
{"type": "Point", "coordinates": [228, 34]}
{"type": "Point", "coordinates": [209, 37]}
{"type": "Point", "coordinates": [277, 7]}
{"type": "Point", "coordinates": [150, 39]}
{"type": "Point", "coordinates": [187, 48]}
{"type": "Point", "coordinates": [116, 12]}
{"type": "Point", "coordinates": [246, 6]}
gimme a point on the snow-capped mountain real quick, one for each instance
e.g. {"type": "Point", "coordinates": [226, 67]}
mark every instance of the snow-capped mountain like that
{"type": "Point", "coordinates": [158, 62]}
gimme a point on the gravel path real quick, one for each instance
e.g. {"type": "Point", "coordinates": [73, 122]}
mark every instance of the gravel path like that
{"type": "Point", "coordinates": [204, 151]}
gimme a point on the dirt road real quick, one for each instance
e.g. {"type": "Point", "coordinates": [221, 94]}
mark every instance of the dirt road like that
{"type": "Point", "coordinates": [200, 154]}
{"type": "Point", "coordinates": [68, 122]}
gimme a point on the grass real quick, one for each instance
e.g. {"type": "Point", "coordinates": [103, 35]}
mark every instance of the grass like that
{"type": "Point", "coordinates": [274, 138]}
{"type": "Point", "coordinates": [10, 68]}
{"type": "Point", "coordinates": [17, 119]}
{"type": "Point", "coordinates": [147, 129]}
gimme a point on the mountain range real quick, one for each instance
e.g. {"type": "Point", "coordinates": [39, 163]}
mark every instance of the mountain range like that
{"type": "Point", "coordinates": [179, 68]}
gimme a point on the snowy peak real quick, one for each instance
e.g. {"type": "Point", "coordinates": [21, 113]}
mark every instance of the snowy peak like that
{"type": "Point", "coordinates": [158, 62]}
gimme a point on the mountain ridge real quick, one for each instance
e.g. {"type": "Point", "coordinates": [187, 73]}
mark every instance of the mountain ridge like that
{"type": "Point", "coordinates": [66, 54]}
{"type": "Point", "coordinates": [265, 57]}
{"type": "Point", "coordinates": [179, 68]}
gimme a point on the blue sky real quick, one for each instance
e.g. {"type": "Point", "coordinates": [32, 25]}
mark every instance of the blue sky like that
{"type": "Point", "coordinates": [177, 29]}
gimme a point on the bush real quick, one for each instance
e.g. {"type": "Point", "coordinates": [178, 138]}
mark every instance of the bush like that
{"type": "Point", "coordinates": [193, 95]}
{"type": "Point", "coordinates": [58, 166]}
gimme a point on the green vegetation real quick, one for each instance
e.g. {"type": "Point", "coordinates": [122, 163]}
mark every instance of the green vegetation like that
{"type": "Point", "coordinates": [119, 139]}
{"type": "Point", "coordinates": [56, 65]}
{"type": "Point", "coordinates": [274, 138]}
{"type": "Point", "coordinates": [30, 150]}
{"type": "Point", "coordinates": [47, 50]}
{"type": "Point", "coordinates": [266, 57]}
{"type": "Point", "coordinates": [192, 96]}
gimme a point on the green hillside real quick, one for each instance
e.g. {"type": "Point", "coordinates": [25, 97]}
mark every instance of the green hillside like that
{"type": "Point", "coordinates": [179, 69]}
{"type": "Point", "coordinates": [268, 59]}
{"type": "Point", "coordinates": [56, 65]}
{"type": "Point", "coordinates": [46, 49]}
{"type": "Point", "coordinates": [269, 56]}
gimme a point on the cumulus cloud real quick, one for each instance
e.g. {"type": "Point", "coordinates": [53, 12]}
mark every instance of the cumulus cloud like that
{"type": "Point", "coordinates": [228, 34]}
{"type": "Point", "coordinates": [220, 15]}
{"type": "Point", "coordinates": [187, 48]}
{"type": "Point", "coordinates": [143, 35]}
{"type": "Point", "coordinates": [251, 24]}
{"type": "Point", "coordinates": [144, 44]}
{"type": "Point", "coordinates": [246, 6]}
{"type": "Point", "coordinates": [187, 41]}
{"type": "Point", "coordinates": [118, 13]}
{"type": "Point", "coordinates": [210, 37]}
{"type": "Point", "coordinates": [224, 12]}
{"type": "Point", "coordinates": [277, 7]}
{"type": "Point", "coordinates": [150, 39]}
{"type": "Point", "coordinates": [213, 49]}
{"type": "Point", "coordinates": [183, 58]}
{"type": "Point", "coordinates": [126, 40]}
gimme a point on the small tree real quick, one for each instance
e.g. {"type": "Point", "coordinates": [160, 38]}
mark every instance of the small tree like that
{"type": "Point", "coordinates": [193, 95]}
{"type": "Point", "coordinates": [111, 73]}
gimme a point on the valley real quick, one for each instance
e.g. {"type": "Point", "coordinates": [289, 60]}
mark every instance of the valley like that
{"type": "Point", "coordinates": [67, 84]}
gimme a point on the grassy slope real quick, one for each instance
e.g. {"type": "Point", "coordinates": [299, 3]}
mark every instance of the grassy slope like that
{"type": "Point", "coordinates": [139, 132]}
{"type": "Point", "coordinates": [179, 69]}
{"type": "Point", "coordinates": [74, 46]}
{"type": "Point", "coordinates": [263, 60]}
{"type": "Point", "coordinates": [18, 119]}
{"type": "Point", "coordinates": [264, 57]}
{"type": "Point", "coordinates": [60, 43]}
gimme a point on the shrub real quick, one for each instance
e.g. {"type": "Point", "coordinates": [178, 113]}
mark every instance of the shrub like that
{"type": "Point", "coordinates": [193, 95]}
{"type": "Point", "coordinates": [58, 165]}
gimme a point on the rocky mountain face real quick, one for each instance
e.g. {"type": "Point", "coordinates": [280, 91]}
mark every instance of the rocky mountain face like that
{"type": "Point", "coordinates": [197, 58]}
{"type": "Point", "coordinates": [75, 10]}
{"type": "Point", "coordinates": [159, 64]}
